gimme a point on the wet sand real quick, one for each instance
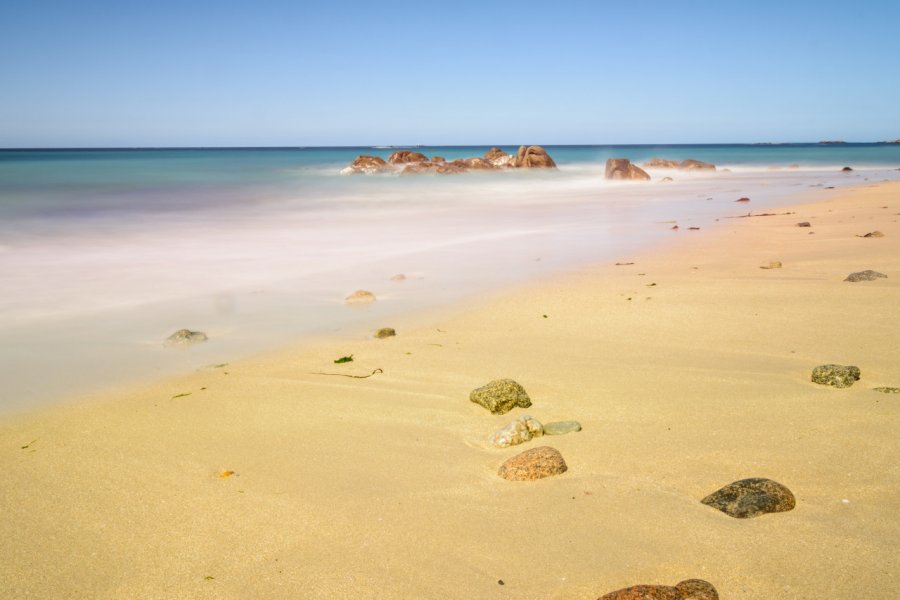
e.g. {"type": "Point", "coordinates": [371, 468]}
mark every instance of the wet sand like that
{"type": "Point", "coordinates": [688, 370]}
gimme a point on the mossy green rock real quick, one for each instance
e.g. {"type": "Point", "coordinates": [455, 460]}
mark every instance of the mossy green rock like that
{"type": "Point", "coordinates": [887, 390]}
{"type": "Point", "coordinates": [561, 427]}
{"type": "Point", "coordinates": [385, 332]}
{"type": "Point", "coordinates": [501, 396]}
{"type": "Point", "coordinates": [838, 376]}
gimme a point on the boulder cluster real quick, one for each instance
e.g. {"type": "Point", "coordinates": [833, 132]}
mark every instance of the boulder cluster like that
{"type": "Point", "coordinates": [623, 169]}
{"type": "Point", "coordinates": [408, 162]}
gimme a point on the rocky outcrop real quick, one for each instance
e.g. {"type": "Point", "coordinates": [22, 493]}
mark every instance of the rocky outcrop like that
{"type": "Point", "coordinates": [533, 464]}
{"type": "Point", "coordinates": [501, 396]}
{"type": "Point", "coordinates": [690, 589]}
{"type": "Point", "coordinates": [839, 376]}
{"type": "Point", "coordinates": [519, 431]}
{"type": "Point", "coordinates": [420, 167]}
{"type": "Point", "coordinates": [530, 157]}
{"type": "Point", "coordinates": [749, 498]}
{"type": "Point", "coordinates": [696, 165]}
{"type": "Point", "coordinates": [479, 164]}
{"type": "Point", "coordinates": [367, 165]}
{"type": "Point", "coordinates": [497, 157]}
{"type": "Point", "coordinates": [401, 157]}
{"type": "Point", "coordinates": [661, 163]}
{"type": "Point", "coordinates": [452, 168]}
{"type": "Point", "coordinates": [184, 338]}
{"type": "Point", "coordinates": [623, 169]}
{"type": "Point", "coordinates": [437, 159]}
{"type": "Point", "coordinates": [867, 275]}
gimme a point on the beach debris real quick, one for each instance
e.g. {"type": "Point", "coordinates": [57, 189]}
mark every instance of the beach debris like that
{"type": "Point", "coordinates": [519, 431]}
{"type": "Point", "coordinates": [846, 170]}
{"type": "Point", "coordinates": [367, 165]}
{"type": "Point", "coordinates": [350, 376]}
{"type": "Point", "coordinates": [224, 474]}
{"type": "Point", "coordinates": [623, 264]}
{"type": "Point", "coordinates": [804, 224]}
{"type": "Point", "coordinates": [500, 396]}
{"type": "Point", "coordinates": [622, 169]}
{"type": "Point", "coordinates": [675, 227]}
{"type": "Point", "coordinates": [689, 589]}
{"type": "Point", "coordinates": [750, 214]}
{"type": "Point", "coordinates": [398, 277]}
{"type": "Point", "coordinates": [531, 157]}
{"type": "Point", "coordinates": [872, 234]}
{"type": "Point", "coordinates": [745, 199]}
{"type": "Point", "coordinates": [773, 264]}
{"type": "Point", "coordinates": [184, 338]}
{"type": "Point", "coordinates": [867, 275]}
{"type": "Point", "coordinates": [385, 332]}
{"type": "Point", "coordinates": [182, 395]}
{"type": "Point", "coordinates": [360, 297]}
{"type": "Point", "coordinates": [561, 427]}
{"type": "Point", "coordinates": [533, 464]}
{"type": "Point", "coordinates": [401, 157]}
{"type": "Point", "coordinates": [28, 445]}
{"type": "Point", "coordinates": [750, 498]}
{"type": "Point", "coordinates": [838, 376]}
{"type": "Point", "coordinates": [883, 390]}
{"type": "Point", "coordinates": [693, 229]}
{"type": "Point", "coordinates": [343, 359]}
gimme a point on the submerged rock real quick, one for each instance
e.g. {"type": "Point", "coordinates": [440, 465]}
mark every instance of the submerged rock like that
{"type": "Point", "coordinates": [519, 431]}
{"type": "Point", "coordinates": [385, 332]}
{"type": "Point", "coordinates": [867, 275]}
{"type": "Point", "coordinates": [749, 498]}
{"type": "Point", "coordinates": [184, 338]}
{"type": "Point", "coordinates": [367, 165]}
{"type": "Point", "coordinates": [623, 169]}
{"type": "Point", "coordinates": [536, 463]}
{"type": "Point", "coordinates": [838, 376]}
{"type": "Point", "coordinates": [501, 396]}
{"type": "Point", "coordinates": [532, 157]}
{"type": "Point", "coordinates": [414, 168]}
{"type": "Point", "coordinates": [360, 297]}
{"type": "Point", "coordinates": [689, 589]}
{"type": "Point", "coordinates": [561, 427]}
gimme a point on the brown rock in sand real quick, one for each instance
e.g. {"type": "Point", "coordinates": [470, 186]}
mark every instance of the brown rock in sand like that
{"type": "Point", "coordinates": [661, 163]}
{"type": "Point", "coordinates": [360, 297]}
{"type": "Point", "coordinates": [406, 156]}
{"type": "Point", "coordinates": [696, 165]}
{"type": "Point", "coordinates": [530, 157]}
{"type": "Point", "coordinates": [366, 165]}
{"type": "Point", "coordinates": [623, 169]}
{"type": "Point", "coordinates": [536, 463]}
{"type": "Point", "coordinates": [775, 264]}
{"type": "Point", "coordinates": [690, 589]}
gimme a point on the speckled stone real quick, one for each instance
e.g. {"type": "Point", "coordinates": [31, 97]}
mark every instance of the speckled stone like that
{"type": "Point", "coordinates": [385, 332]}
{"type": "Point", "coordinates": [867, 275]}
{"type": "Point", "coordinates": [360, 297]}
{"type": "Point", "coordinates": [536, 463]}
{"type": "Point", "coordinates": [751, 497]}
{"type": "Point", "coordinates": [501, 396]}
{"type": "Point", "coordinates": [184, 338]}
{"type": "Point", "coordinates": [518, 432]}
{"type": "Point", "coordinates": [775, 264]}
{"type": "Point", "coordinates": [561, 427]}
{"type": "Point", "coordinates": [887, 390]}
{"type": "Point", "coordinates": [690, 589]}
{"type": "Point", "coordinates": [839, 376]}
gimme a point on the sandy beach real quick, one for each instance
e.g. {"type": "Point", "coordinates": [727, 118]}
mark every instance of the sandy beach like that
{"type": "Point", "coordinates": [688, 368]}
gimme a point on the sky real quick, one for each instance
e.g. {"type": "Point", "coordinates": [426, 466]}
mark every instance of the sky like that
{"type": "Point", "coordinates": [289, 73]}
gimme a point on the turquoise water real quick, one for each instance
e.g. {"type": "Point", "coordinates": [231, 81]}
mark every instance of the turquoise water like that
{"type": "Point", "coordinates": [103, 253]}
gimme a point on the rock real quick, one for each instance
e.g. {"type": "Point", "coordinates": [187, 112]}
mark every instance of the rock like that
{"type": "Point", "coordinates": [437, 159]}
{"type": "Point", "coordinates": [661, 163]}
{"type": "Point", "coordinates": [519, 431]}
{"type": "Point", "coordinates": [366, 165]}
{"type": "Point", "coordinates": [398, 277]}
{"type": "Point", "coordinates": [536, 463]}
{"type": "Point", "coordinates": [749, 498]}
{"type": "Point", "coordinates": [883, 390]}
{"type": "Point", "coordinates": [452, 168]}
{"type": "Point", "coordinates": [184, 338]}
{"type": "Point", "coordinates": [867, 275]}
{"type": "Point", "coordinates": [621, 168]}
{"type": "Point", "coordinates": [690, 589]}
{"type": "Point", "coordinates": [743, 200]}
{"type": "Point", "coordinates": [501, 396]}
{"type": "Point", "coordinates": [872, 234]}
{"type": "Point", "coordinates": [666, 180]}
{"type": "Point", "coordinates": [479, 164]}
{"type": "Point", "coordinates": [846, 170]}
{"type": "Point", "coordinates": [775, 264]}
{"type": "Point", "coordinates": [417, 168]}
{"type": "Point", "coordinates": [532, 157]}
{"type": "Point", "coordinates": [497, 157]}
{"type": "Point", "coordinates": [804, 224]}
{"type": "Point", "coordinates": [385, 332]}
{"type": "Point", "coordinates": [561, 427]}
{"type": "Point", "coordinates": [696, 165]}
{"type": "Point", "coordinates": [838, 376]}
{"type": "Point", "coordinates": [793, 166]}
{"type": "Point", "coordinates": [360, 297]}
{"type": "Point", "coordinates": [401, 157]}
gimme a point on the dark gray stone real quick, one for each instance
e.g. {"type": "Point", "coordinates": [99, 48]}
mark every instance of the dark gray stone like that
{"type": "Point", "coordinates": [867, 275]}
{"type": "Point", "coordinates": [751, 497]}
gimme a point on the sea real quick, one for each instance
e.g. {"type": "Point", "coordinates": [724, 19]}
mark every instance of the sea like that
{"type": "Point", "coordinates": [106, 252]}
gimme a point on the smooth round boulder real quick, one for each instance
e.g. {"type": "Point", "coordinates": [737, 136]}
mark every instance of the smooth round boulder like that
{"type": "Point", "coordinates": [533, 464]}
{"type": "Point", "coordinates": [530, 157]}
{"type": "Point", "coordinates": [838, 376]}
{"type": "Point", "coordinates": [750, 498]}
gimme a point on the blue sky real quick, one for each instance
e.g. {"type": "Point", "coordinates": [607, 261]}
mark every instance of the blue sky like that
{"type": "Point", "coordinates": [123, 73]}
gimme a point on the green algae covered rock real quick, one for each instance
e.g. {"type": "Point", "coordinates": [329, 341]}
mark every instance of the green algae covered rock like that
{"type": "Point", "coordinates": [385, 332]}
{"type": "Point", "coordinates": [501, 396]}
{"type": "Point", "coordinates": [838, 376]}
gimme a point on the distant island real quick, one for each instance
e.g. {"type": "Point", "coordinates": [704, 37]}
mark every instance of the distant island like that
{"type": "Point", "coordinates": [833, 142]}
